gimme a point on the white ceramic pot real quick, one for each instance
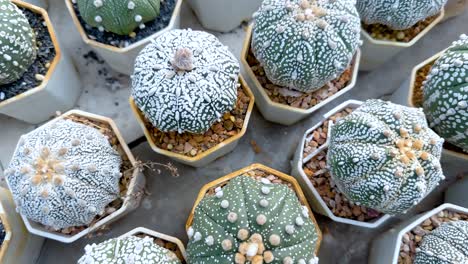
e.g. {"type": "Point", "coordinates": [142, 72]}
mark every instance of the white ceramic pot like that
{"type": "Point", "coordinates": [281, 113]}
{"type": "Point", "coordinates": [377, 52]}
{"type": "Point", "coordinates": [130, 202]}
{"type": "Point", "coordinates": [122, 59]}
{"type": "Point", "coordinates": [19, 246]}
{"type": "Point", "coordinates": [316, 201]}
{"type": "Point", "coordinates": [454, 8]}
{"type": "Point", "coordinates": [223, 15]}
{"type": "Point", "coordinates": [457, 192]}
{"type": "Point", "coordinates": [59, 90]}
{"type": "Point", "coordinates": [386, 247]}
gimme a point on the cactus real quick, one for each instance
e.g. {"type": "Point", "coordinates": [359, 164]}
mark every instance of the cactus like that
{"type": "Point", "coordinates": [384, 156]}
{"type": "Point", "coordinates": [249, 220]}
{"type": "Point", "coordinates": [17, 43]}
{"type": "Point", "coordinates": [303, 44]}
{"type": "Point", "coordinates": [130, 249]}
{"type": "Point", "coordinates": [121, 17]}
{"type": "Point", "coordinates": [446, 94]}
{"type": "Point", "coordinates": [446, 244]}
{"type": "Point", "coordinates": [63, 174]}
{"type": "Point", "coordinates": [398, 14]}
{"type": "Point", "coordinates": [185, 80]}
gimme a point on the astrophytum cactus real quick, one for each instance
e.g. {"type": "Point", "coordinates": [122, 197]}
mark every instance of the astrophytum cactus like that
{"type": "Point", "coordinates": [118, 16]}
{"type": "Point", "coordinates": [446, 94]}
{"type": "Point", "coordinates": [446, 244]}
{"type": "Point", "coordinates": [384, 156]}
{"type": "Point", "coordinates": [17, 43]}
{"type": "Point", "coordinates": [185, 80]}
{"type": "Point", "coordinates": [130, 249]}
{"type": "Point", "coordinates": [303, 44]}
{"type": "Point", "coordinates": [398, 14]}
{"type": "Point", "coordinates": [63, 174]}
{"type": "Point", "coordinates": [248, 221]}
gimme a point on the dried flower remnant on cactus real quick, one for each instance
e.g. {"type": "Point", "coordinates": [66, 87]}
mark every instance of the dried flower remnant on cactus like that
{"type": "Point", "coordinates": [385, 157]}
{"type": "Point", "coordinates": [303, 44]}
{"type": "Point", "coordinates": [64, 174]}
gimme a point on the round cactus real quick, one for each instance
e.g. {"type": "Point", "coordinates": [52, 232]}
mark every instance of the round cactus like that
{"type": "Point", "coordinates": [63, 174]}
{"type": "Point", "coordinates": [446, 244]}
{"type": "Point", "coordinates": [384, 156]}
{"type": "Point", "coordinates": [303, 44]}
{"type": "Point", "coordinates": [257, 222]}
{"type": "Point", "coordinates": [185, 80]}
{"type": "Point", "coordinates": [118, 16]}
{"type": "Point", "coordinates": [398, 14]}
{"type": "Point", "coordinates": [130, 249]}
{"type": "Point", "coordinates": [17, 43]}
{"type": "Point", "coordinates": [446, 94]}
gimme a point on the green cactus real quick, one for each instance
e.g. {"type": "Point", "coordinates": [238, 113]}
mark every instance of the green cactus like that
{"type": "Point", "coordinates": [130, 249]}
{"type": "Point", "coordinates": [17, 43]}
{"type": "Point", "coordinates": [253, 221]}
{"type": "Point", "coordinates": [446, 94]}
{"type": "Point", "coordinates": [303, 44]}
{"type": "Point", "coordinates": [446, 244]}
{"type": "Point", "coordinates": [384, 156]}
{"type": "Point", "coordinates": [121, 17]}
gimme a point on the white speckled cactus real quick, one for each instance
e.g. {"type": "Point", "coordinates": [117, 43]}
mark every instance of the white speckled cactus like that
{"type": "Point", "coordinates": [63, 174]}
{"type": "Point", "coordinates": [130, 249]}
{"type": "Point", "coordinates": [303, 44]}
{"type": "Point", "coordinates": [17, 43]}
{"type": "Point", "coordinates": [118, 16]}
{"type": "Point", "coordinates": [398, 14]}
{"type": "Point", "coordinates": [185, 80]}
{"type": "Point", "coordinates": [446, 244]}
{"type": "Point", "coordinates": [446, 94]}
{"type": "Point", "coordinates": [385, 157]}
{"type": "Point", "coordinates": [257, 222]}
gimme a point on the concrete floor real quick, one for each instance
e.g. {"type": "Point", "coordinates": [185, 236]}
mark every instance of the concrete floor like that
{"type": "Point", "coordinates": [167, 207]}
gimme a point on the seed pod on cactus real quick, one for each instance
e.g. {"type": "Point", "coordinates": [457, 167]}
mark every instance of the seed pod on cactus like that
{"type": "Point", "coordinates": [118, 16]}
{"type": "Point", "coordinates": [384, 156]}
{"type": "Point", "coordinates": [446, 244]}
{"type": "Point", "coordinates": [130, 249]}
{"type": "Point", "coordinates": [303, 44]}
{"type": "Point", "coordinates": [17, 43]}
{"type": "Point", "coordinates": [398, 14]}
{"type": "Point", "coordinates": [185, 80]}
{"type": "Point", "coordinates": [253, 221]}
{"type": "Point", "coordinates": [63, 174]}
{"type": "Point", "coordinates": [446, 94]}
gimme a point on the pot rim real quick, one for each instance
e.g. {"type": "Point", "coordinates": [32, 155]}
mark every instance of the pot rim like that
{"type": "Point", "coordinates": [8, 233]}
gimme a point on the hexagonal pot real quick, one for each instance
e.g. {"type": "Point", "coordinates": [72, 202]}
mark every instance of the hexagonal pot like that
{"type": "Point", "coordinates": [404, 96]}
{"type": "Point", "coordinates": [223, 15]}
{"type": "Point", "coordinates": [18, 246]}
{"type": "Point", "coordinates": [284, 177]}
{"type": "Point", "coordinates": [454, 8]}
{"type": "Point", "coordinates": [42, 102]}
{"type": "Point", "coordinates": [207, 156]}
{"type": "Point", "coordinates": [281, 113]}
{"type": "Point", "coordinates": [376, 52]}
{"type": "Point", "coordinates": [316, 201]}
{"type": "Point", "coordinates": [122, 59]}
{"type": "Point", "coordinates": [131, 199]}
{"type": "Point", "coordinates": [457, 192]}
{"type": "Point", "coordinates": [148, 232]}
{"type": "Point", "coordinates": [40, 3]}
{"type": "Point", "coordinates": [386, 247]}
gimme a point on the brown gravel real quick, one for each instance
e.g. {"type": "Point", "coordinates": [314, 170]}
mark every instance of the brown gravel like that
{"type": "Point", "coordinates": [190, 144]}
{"type": "Point", "coordinates": [300, 99]}
{"type": "Point", "coordinates": [165, 244]}
{"type": "Point", "coordinates": [382, 32]}
{"type": "Point", "coordinates": [412, 239]}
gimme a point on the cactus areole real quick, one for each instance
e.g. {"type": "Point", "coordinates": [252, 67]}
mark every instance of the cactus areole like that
{"type": "Point", "coordinates": [63, 174]}
{"type": "Point", "coordinates": [385, 157]}
{"type": "Point", "coordinates": [303, 44]}
{"type": "Point", "coordinates": [446, 94]}
{"type": "Point", "coordinates": [185, 80]}
{"type": "Point", "coordinates": [17, 43]}
{"type": "Point", "coordinates": [250, 221]}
